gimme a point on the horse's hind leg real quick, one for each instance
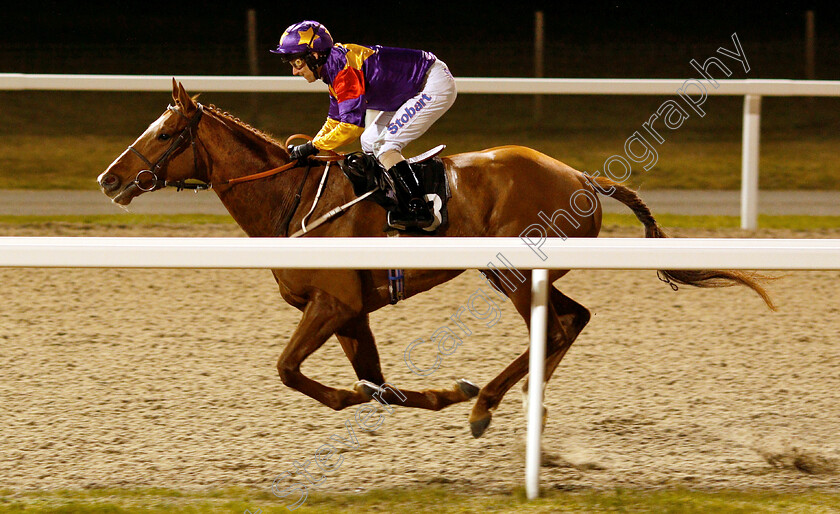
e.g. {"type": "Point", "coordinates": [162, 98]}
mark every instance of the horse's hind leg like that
{"type": "Point", "coordinates": [565, 321]}
{"type": "Point", "coordinates": [359, 345]}
{"type": "Point", "coordinates": [562, 303]}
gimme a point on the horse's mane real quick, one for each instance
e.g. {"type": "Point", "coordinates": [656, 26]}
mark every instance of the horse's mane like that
{"type": "Point", "coordinates": [257, 132]}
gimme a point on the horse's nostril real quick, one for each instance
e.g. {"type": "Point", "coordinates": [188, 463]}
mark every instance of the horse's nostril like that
{"type": "Point", "coordinates": [110, 182]}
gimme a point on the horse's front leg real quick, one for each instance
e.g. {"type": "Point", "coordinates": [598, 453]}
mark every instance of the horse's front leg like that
{"type": "Point", "coordinates": [322, 316]}
{"type": "Point", "coordinates": [357, 341]}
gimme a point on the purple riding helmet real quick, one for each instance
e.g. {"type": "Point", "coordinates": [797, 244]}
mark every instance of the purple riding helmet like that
{"type": "Point", "coordinates": [301, 39]}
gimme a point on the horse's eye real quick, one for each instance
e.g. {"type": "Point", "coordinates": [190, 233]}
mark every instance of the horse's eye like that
{"type": "Point", "coordinates": [163, 137]}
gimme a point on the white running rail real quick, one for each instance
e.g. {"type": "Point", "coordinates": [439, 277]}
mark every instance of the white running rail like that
{"type": "Point", "coordinates": [439, 253]}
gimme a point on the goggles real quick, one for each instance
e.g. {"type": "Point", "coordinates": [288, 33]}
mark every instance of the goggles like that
{"type": "Point", "coordinates": [297, 62]}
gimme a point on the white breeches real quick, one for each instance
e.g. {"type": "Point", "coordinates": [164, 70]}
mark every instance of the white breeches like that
{"type": "Point", "coordinates": [386, 131]}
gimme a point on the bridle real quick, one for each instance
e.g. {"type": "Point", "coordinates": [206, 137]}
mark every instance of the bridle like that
{"type": "Point", "coordinates": [186, 135]}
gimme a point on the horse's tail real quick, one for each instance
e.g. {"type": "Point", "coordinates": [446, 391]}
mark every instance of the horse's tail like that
{"type": "Point", "coordinates": [698, 278]}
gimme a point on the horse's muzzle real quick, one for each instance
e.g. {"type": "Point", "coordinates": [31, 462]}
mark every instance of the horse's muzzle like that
{"type": "Point", "coordinates": [109, 182]}
{"type": "Point", "coordinates": [114, 188]}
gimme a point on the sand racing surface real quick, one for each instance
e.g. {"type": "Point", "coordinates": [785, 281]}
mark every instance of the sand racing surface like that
{"type": "Point", "coordinates": [167, 378]}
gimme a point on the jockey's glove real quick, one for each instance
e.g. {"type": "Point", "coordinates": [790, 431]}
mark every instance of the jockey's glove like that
{"type": "Point", "coordinates": [299, 152]}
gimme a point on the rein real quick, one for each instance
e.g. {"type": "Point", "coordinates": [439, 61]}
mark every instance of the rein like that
{"type": "Point", "coordinates": [332, 157]}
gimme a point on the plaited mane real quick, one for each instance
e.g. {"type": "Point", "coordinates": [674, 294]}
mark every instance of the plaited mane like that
{"type": "Point", "coordinates": [230, 117]}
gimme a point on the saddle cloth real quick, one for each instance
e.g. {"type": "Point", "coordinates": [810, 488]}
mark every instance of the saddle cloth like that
{"type": "Point", "coordinates": [366, 174]}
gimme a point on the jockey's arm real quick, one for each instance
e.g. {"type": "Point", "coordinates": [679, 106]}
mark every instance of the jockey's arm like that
{"type": "Point", "coordinates": [336, 133]}
{"type": "Point", "coordinates": [346, 115]}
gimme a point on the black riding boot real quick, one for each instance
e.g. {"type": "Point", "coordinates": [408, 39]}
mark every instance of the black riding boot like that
{"type": "Point", "coordinates": [416, 212]}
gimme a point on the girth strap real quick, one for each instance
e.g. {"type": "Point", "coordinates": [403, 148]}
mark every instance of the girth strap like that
{"type": "Point", "coordinates": [396, 285]}
{"type": "Point", "coordinates": [284, 225]}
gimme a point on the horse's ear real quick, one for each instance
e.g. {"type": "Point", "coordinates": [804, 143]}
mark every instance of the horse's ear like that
{"type": "Point", "coordinates": [174, 89]}
{"type": "Point", "coordinates": [184, 101]}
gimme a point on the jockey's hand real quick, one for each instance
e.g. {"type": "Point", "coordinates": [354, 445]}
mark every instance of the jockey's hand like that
{"type": "Point", "coordinates": [303, 151]}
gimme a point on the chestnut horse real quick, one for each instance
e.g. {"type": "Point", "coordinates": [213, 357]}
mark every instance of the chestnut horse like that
{"type": "Point", "coordinates": [496, 192]}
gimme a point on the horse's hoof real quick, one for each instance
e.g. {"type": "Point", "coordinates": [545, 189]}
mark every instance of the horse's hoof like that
{"type": "Point", "coordinates": [480, 425]}
{"type": "Point", "coordinates": [467, 387]}
{"type": "Point", "coordinates": [368, 389]}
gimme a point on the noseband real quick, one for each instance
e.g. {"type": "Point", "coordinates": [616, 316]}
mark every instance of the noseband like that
{"type": "Point", "coordinates": [186, 135]}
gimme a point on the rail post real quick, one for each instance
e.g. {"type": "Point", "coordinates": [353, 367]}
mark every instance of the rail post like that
{"type": "Point", "coordinates": [749, 162]}
{"type": "Point", "coordinates": [536, 373]}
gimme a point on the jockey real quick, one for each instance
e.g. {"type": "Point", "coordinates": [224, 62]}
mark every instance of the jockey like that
{"type": "Point", "coordinates": [387, 96]}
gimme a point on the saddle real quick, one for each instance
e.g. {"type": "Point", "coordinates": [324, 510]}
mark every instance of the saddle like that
{"type": "Point", "coordinates": [366, 174]}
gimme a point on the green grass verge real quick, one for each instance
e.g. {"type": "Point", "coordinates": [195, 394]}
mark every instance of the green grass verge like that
{"type": "Point", "coordinates": [726, 222]}
{"type": "Point", "coordinates": [74, 162]}
{"type": "Point", "coordinates": [71, 141]}
{"type": "Point", "coordinates": [614, 220]}
{"type": "Point", "coordinates": [57, 161]}
{"type": "Point", "coordinates": [417, 500]}
{"type": "Point", "coordinates": [121, 219]}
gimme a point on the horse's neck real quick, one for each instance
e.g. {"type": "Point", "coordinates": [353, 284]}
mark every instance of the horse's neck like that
{"type": "Point", "coordinates": [258, 206]}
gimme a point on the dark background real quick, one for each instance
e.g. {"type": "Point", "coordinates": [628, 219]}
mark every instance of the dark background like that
{"type": "Point", "coordinates": [63, 139]}
{"type": "Point", "coordinates": [601, 39]}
